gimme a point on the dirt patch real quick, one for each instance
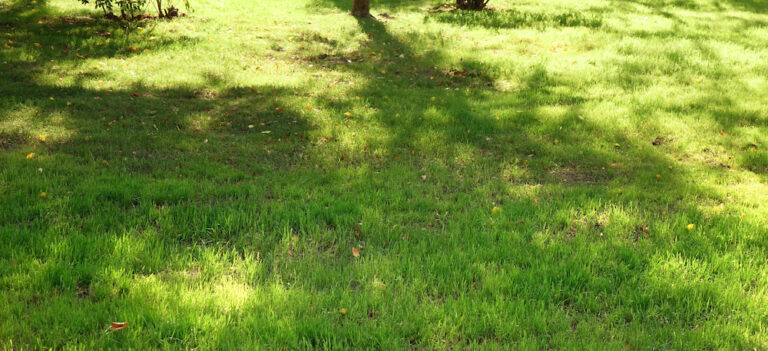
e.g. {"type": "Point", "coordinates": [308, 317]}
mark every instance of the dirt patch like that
{"type": "Point", "coordinates": [83, 290]}
{"type": "Point", "coordinates": [574, 175]}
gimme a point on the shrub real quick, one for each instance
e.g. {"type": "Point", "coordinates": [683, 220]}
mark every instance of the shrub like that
{"type": "Point", "coordinates": [471, 4]}
{"type": "Point", "coordinates": [130, 9]}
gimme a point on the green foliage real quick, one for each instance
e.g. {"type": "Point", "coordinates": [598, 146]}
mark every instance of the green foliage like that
{"type": "Point", "coordinates": [127, 8]}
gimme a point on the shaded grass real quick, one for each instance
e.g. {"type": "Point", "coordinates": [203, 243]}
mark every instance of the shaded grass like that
{"type": "Point", "coordinates": [516, 19]}
{"type": "Point", "coordinates": [500, 186]}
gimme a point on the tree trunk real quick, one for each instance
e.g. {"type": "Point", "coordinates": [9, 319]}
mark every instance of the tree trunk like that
{"type": "Point", "coordinates": [159, 8]}
{"type": "Point", "coordinates": [361, 8]}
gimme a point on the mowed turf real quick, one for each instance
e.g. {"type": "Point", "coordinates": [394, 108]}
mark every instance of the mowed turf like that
{"type": "Point", "coordinates": [268, 175]}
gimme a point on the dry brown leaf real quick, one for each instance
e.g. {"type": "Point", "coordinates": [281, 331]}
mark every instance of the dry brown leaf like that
{"type": "Point", "coordinates": [115, 326]}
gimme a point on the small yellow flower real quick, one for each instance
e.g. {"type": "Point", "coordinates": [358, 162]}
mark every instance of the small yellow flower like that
{"type": "Point", "coordinates": [43, 195]}
{"type": "Point", "coordinates": [343, 311]}
{"type": "Point", "coordinates": [690, 226]}
{"type": "Point", "coordinates": [495, 209]}
{"type": "Point", "coordinates": [658, 176]}
{"type": "Point", "coordinates": [31, 155]}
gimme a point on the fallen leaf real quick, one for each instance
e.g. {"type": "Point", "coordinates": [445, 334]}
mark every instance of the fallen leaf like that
{"type": "Point", "coordinates": [31, 155]}
{"type": "Point", "coordinates": [131, 48]}
{"type": "Point", "coordinates": [423, 177]}
{"type": "Point", "coordinates": [115, 326]}
{"type": "Point", "coordinates": [658, 176]}
{"type": "Point", "coordinates": [309, 107]}
{"type": "Point", "coordinates": [250, 126]}
{"type": "Point", "coordinates": [348, 114]}
{"type": "Point", "coordinates": [355, 252]}
{"type": "Point", "coordinates": [343, 311]}
{"type": "Point", "coordinates": [266, 132]}
{"type": "Point", "coordinates": [279, 109]}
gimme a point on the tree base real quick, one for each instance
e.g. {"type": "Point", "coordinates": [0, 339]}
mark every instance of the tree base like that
{"type": "Point", "coordinates": [361, 9]}
{"type": "Point", "coordinates": [362, 15]}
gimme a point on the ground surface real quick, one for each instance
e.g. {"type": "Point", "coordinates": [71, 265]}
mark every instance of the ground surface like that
{"type": "Point", "coordinates": [563, 174]}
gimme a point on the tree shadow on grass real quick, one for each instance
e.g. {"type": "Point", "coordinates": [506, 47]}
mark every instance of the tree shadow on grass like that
{"type": "Point", "coordinates": [461, 119]}
{"type": "Point", "coordinates": [389, 5]}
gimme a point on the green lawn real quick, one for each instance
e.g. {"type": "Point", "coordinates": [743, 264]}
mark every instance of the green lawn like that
{"type": "Point", "coordinates": [277, 175]}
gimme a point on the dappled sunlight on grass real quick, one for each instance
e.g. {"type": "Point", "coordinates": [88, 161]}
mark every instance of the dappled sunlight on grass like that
{"type": "Point", "coordinates": [283, 175]}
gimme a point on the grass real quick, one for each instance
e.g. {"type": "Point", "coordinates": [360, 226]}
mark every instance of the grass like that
{"type": "Point", "coordinates": [509, 182]}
